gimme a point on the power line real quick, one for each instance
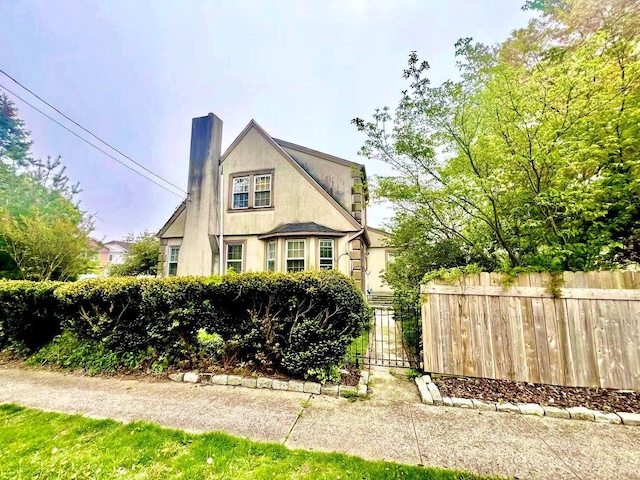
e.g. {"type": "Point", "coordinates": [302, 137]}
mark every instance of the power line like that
{"type": "Point", "coordinates": [88, 142]}
{"type": "Point", "coordinates": [88, 131]}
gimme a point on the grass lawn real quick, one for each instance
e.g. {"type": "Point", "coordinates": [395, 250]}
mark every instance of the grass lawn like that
{"type": "Point", "coordinates": [358, 348]}
{"type": "Point", "coordinates": [36, 444]}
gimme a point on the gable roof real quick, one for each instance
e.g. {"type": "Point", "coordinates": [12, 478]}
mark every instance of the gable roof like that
{"type": "Point", "coordinates": [173, 218]}
{"type": "Point", "coordinates": [294, 164]}
{"type": "Point", "coordinates": [125, 245]}
{"type": "Point", "coordinates": [316, 153]}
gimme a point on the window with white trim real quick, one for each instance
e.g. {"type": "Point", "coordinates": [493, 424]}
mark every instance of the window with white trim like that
{"type": "Point", "coordinates": [271, 257]}
{"type": "Point", "coordinates": [295, 256]}
{"type": "Point", "coordinates": [240, 192]}
{"type": "Point", "coordinates": [262, 191]}
{"type": "Point", "coordinates": [173, 260]}
{"type": "Point", "coordinates": [234, 257]}
{"type": "Point", "coordinates": [326, 253]}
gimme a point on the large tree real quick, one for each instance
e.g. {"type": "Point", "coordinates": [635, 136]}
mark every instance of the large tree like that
{"type": "Point", "coordinates": [530, 159]}
{"type": "Point", "coordinates": [43, 233]}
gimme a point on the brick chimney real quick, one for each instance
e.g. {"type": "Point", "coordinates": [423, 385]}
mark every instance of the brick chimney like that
{"type": "Point", "coordinates": [199, 249]}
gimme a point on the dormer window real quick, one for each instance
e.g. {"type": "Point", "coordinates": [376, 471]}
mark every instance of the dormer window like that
{"type": "Point", "coordinates": [251, 190]}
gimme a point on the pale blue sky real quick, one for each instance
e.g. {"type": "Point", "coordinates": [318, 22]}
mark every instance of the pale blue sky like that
{"type": "Point", "coordinates": [136, 72]}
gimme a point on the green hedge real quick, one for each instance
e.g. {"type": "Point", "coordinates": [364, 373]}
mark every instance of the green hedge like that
{"type": "Point", "coordinates": [291, 322]}
{"type": "Point", "coordinates": [28, 314]}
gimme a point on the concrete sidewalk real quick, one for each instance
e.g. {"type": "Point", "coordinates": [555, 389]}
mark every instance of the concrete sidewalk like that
{"type": "Point", "coordinates": [391, 425]}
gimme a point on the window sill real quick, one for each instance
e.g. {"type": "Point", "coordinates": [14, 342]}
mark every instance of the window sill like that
{"type": "Point", "coordinates": [254, 209]}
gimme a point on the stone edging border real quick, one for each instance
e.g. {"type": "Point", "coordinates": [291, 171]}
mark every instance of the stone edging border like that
{"type": "Point", "coordinates": [275, 384]}
{"type": "Point", "coordinates": [431, 396]}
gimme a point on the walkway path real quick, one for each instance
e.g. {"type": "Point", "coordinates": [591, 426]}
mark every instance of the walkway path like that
{"type": "Point", "coordinates": [391, 425]}
{"type": "Point", "coordinates": [386, 343]}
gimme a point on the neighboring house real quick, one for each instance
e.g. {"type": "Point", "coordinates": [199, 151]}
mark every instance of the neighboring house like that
{"type": "Point", "coordinates": [379, 257]}
{"type": "Point", "coordinates": [268, 205]}
{"type": "Point", "coordinates": [113, 253]}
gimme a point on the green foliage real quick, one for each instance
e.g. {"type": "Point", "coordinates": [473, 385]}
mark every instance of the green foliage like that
{"type": "Point", "coordinates": [142, 258]}
{"type": "Point", "coordinates": [28, 314]}
{"type": "Point", "coordinates": [412, 374]}
{"type": "Point", "coordinates": [324, 375]}
{"type": "Point", "coordinates": [38, 444]}
{"type": "Point", "coordinates": [288, 322]}
{"type": "Point", "coordinates": [68, 351]}
{"type": "Point", "coordinates": [43, 233]}
{"type": "Point", "coordinates": [530, 159]}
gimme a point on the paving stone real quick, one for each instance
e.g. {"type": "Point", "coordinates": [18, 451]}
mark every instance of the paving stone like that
{"type": "Point", "coordinates": [425, 395]}
{"type": "Point", "coordinates": [601, 417]}
{"type": "Point", "coordinates": [581, 413]}
{"type": "Point", "coordinates": [364, 378]}
{"type": "Point", "coordinates": [176, 377]}
{"type": "Point", "coordinates": [426, 378]}
{"type": "Point", "coordinates": [296, 386]}
{"type": "Point", "coordinates": [264, 382]}
{"type": "Point", "coordinates": [556, 412]}
{"type": "Point", "coordinates": [446, 401]}
{"type": "Point", "coordinates": [507, 407]}
{"type": "Point", "coordinates": [630, 418]}
{"type": "Point", "coordinates": [435, 393]}
{"type": "Point", "coordinates": [219, 379]}
{"type": "Point", "coordinates": [249, 382]}
{"type": "Point", "coordinates": [280, 385]}
{"type": "Point", "coordinates": [205, 377]}
{"type": "Point", "coordinates": [484, 406]}
{"type": "Point", "coordinates": [346, 388]}
{"type": "Point", "coordinates": [462, 402]}
{"type": "Point", "coordinates": [362, 390]}
{"type": "Point", "coordinates": [329, 390]}
{"type": "Point", "coordinates": [192, 377]}
{"type": "Point", "coordinates": [312, 387]}
{"type": "Point", "coordinates": [531, 409]}
{"type": "Point", "coordinates": [234, 380]}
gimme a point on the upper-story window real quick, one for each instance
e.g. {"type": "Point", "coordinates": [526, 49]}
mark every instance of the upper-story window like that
{"type": "Point", "coordinates": [251, 190]}
{"type": "Point", "coordinates": [241, 192]}
{"type": "Point", "coordinates": [173, 260]}
{"type": "Point", "coordinates": [262, 191]}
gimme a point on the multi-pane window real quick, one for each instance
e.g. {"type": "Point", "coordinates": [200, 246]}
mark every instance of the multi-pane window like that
{"type": "Point", "coordinates": [241, 192]}
{"type": "Point", "coordinates": [326, 254]}
{"type": "Point", "coordinates": [295, 255]}
{"type": "Point", "coordinates": [234, 257]}
{"type": "Point", "coordinates": [262, 191]}
{"type": "Point", "coordinates": [173, 260]}
{"type": "Point", "coordinates": [271, 256]}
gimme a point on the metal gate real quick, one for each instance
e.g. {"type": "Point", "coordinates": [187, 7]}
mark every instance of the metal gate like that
{"type": "Point", "coordinates": [394, 340]}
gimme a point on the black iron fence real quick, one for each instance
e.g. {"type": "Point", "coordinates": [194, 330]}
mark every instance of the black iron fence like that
{"type": "Point", "coordinates": [393, 340]}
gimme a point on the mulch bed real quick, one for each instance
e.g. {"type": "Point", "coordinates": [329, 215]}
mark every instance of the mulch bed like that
{"type": "Point", "coordinates": [350, 376]}
{"type": "Point", "coordinates": [603, 399]}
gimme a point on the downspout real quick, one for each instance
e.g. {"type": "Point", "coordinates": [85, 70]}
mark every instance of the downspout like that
{"type": "Point", "coordinates": [221, 216]}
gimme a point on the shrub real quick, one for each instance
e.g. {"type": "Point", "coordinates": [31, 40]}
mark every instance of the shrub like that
{"type": "Point", "coordinates": [290, 322]}
{"type": "Point", "coordinates": [28, 314]}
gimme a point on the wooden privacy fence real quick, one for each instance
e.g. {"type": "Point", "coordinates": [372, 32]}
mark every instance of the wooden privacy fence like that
{"type": "Point", "coordinates": [579, 329]}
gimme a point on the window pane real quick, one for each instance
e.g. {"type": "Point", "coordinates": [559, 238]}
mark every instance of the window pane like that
{"type": "Point", "coordinates": [262, 199]}
{"type": "Point", "coordinates": [295, 249]}
{"type": "Point", "coordinates": [173, 269]}
{"type": "Point", "coordinates": [241, 185]}
{"type": "Point", "coordinates": [326, 248]}
{"type": "Point", "coordinates": [234, 251]}
{"type": "Point", "coordinates": [295, 265]}
{"type": "Point", "coordinates": [271, 265]}
{"type": "Point", "coordinates": [271, 250]}
{"type": "Point", "coordinates": [173, 254]}
{"type": "Point", "coordinates": [263, 183]}
{"type": "Point", "coordinates": [240, 200]}
{"type": "Point", "coordinates": [235, 265]}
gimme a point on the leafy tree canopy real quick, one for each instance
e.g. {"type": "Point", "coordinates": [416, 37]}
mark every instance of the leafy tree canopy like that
{"type": "Point", "coordinates": [43, 233]}
{"type": "Point", "coordinates": [530, 158]}
{"type": "Point", "coordinates": [142, 258]}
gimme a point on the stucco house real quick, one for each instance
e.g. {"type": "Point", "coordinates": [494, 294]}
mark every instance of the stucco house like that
{"type": "Point", "coordinates": [270, 205]}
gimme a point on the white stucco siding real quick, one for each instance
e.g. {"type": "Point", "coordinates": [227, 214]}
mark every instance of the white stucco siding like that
{"type": "Point", "coordinates": [176, 229]}
{"type": "Point", "coordinates": [294, 198]}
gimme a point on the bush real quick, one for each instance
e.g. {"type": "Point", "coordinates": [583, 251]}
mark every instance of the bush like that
{"type": "Point", "coordinates": [289, 322]}
{"type": "Point", "coordinates": [28, 314]}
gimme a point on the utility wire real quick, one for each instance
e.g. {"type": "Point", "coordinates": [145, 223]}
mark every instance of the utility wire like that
{"type": "Point", "coordinates": [94, 146]}
{"type": "Point", "coordinates": [88, 131]}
